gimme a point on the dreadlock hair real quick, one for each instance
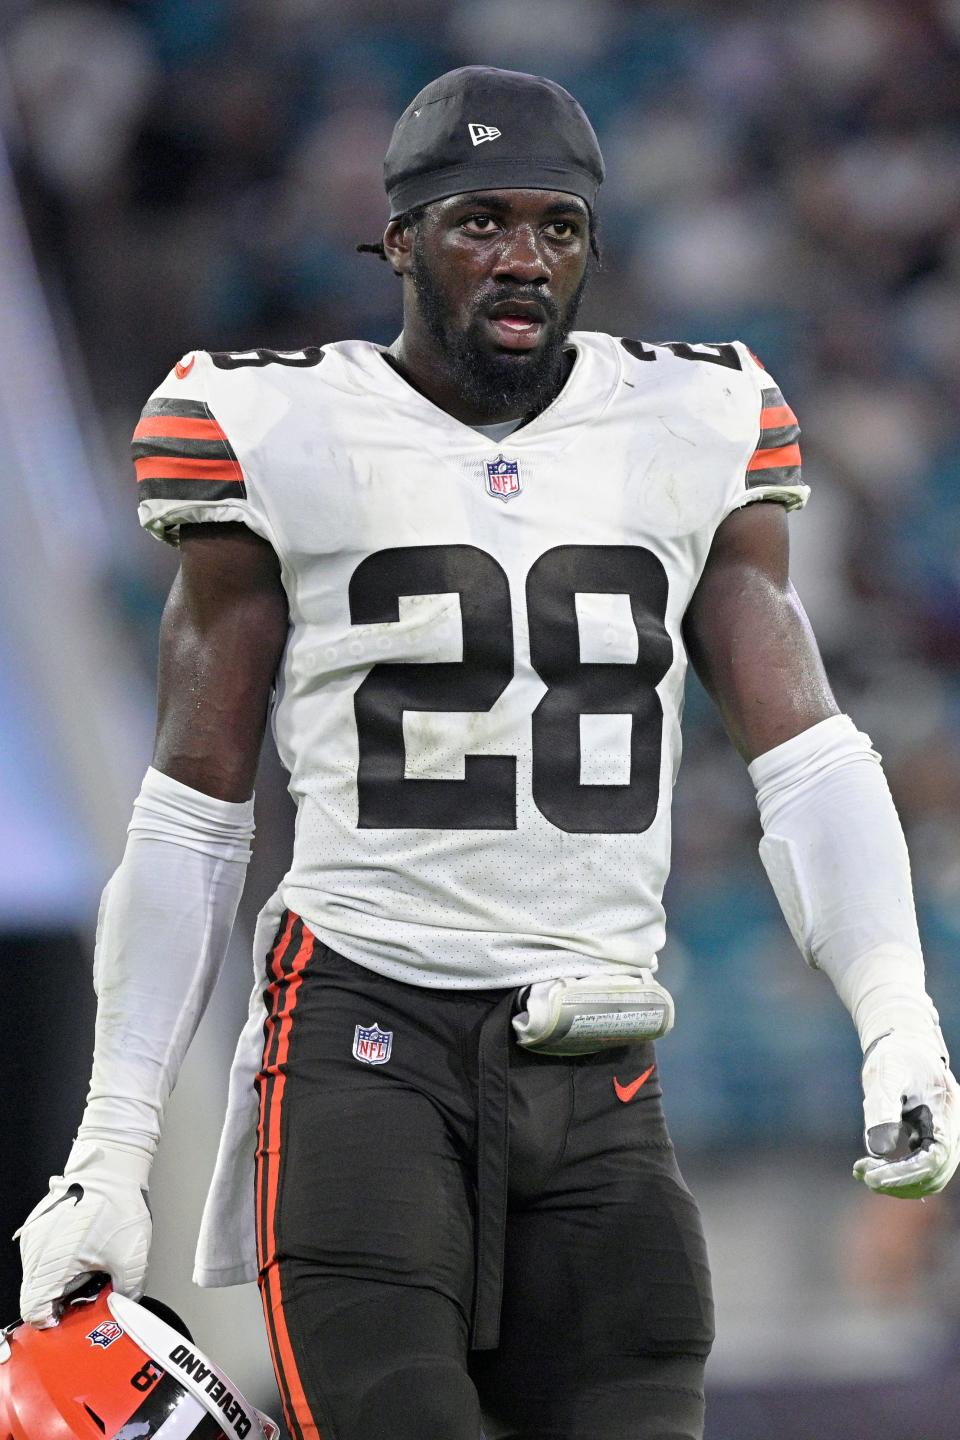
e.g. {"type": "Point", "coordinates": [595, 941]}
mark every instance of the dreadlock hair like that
{"type": "Point", "coordinates": [409, 218]}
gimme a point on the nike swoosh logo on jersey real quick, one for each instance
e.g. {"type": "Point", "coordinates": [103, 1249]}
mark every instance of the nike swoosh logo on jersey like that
{"type": "Point", "coordinates": [627, 1092]}
{"type": "Point", "coordinates": [74, 1193]}
{"type": "Point", "coordinates": [182, 371]}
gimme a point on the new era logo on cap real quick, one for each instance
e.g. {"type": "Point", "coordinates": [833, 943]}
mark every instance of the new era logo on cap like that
{"type": "Point", "coordinates": [479, 133]}
{"type": "Point", "coordinates": [543, 139]}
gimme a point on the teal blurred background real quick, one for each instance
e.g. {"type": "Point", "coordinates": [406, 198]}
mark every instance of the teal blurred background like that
{"type": "Point", "coordinates": [196, 173]}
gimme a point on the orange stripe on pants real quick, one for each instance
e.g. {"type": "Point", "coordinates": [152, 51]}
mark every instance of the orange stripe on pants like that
{"type": "Point", "coordinates": [285, 985]}
{"type": "Point", "coordinates": [275, 993]}
{"type": "Point", "coordinates": [300, 1422]}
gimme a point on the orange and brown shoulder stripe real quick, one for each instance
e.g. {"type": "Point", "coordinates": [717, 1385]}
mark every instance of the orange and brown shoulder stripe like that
{"type": "Point", "coordinates": [180, 452]}
{"type": "Point", "coordinates": [776, 459]}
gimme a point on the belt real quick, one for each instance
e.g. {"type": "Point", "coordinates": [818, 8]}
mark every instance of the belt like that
{"type": "Point", "coordinates": [493, 1139]}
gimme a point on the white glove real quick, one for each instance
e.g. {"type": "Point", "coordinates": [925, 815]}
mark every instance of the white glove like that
{"type": "Point", "coordinates": [911, 1107]}
{"type": "Point", "coordinates": [95, 1218]}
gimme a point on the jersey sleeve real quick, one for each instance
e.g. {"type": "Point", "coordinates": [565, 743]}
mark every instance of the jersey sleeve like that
{"type": "Point", "coordinates": [187, 468]}
{"type": "Point", "coordinates": [773, 471]}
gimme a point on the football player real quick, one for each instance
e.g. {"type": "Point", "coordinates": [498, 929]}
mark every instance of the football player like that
{"type": "Point", "coordinates": [463, 575]}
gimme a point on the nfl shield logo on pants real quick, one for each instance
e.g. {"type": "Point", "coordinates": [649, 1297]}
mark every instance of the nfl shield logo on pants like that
{"type": "Point", "coordinates": [371, 1044]}
{"type": "Point", "coordinates": [503, 478]}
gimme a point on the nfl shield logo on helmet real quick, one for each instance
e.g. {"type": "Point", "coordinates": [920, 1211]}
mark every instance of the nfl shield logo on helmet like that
{"type": "Point", "coordinates": [503, 478]}
{"type": "Point", "coordinates": [372, 1045]}
{"type": "Point", "coordinates": [105, 1334]}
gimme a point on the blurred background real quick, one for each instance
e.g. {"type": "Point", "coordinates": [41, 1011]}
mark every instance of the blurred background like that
{"type": "Point", "coordinates": [183, 173]}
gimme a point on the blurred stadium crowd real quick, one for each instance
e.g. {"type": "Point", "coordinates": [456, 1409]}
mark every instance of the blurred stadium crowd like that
{"type": "Point", "coordinates": [198, 173]}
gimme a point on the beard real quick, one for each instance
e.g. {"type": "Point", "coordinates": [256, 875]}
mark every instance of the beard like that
{"type": "Point", "coordinates": [508, 384]}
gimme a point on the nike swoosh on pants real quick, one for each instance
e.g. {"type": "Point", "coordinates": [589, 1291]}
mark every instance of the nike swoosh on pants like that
{"type": "Point", "coordinates": [627, 1092]}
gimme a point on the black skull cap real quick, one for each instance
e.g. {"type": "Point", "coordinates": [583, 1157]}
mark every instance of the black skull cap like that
{"type": "Point", "coordinates": [478, 128]}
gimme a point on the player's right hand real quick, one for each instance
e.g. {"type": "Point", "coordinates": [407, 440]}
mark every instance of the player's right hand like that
{"type": "Point", "coordinates": [95, 1218]}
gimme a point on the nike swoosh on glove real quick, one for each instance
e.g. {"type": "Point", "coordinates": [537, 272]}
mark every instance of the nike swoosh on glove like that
{"type": "Point", "coordinates": [95, 1218]}
{"type": "Point", "coordinates": [911, 1107]}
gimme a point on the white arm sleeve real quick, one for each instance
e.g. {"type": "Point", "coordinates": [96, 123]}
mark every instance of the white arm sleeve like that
{"type": "Point", "coordinates": [165, 922]}
{"type": "Point", "coordinates": [834, 851]}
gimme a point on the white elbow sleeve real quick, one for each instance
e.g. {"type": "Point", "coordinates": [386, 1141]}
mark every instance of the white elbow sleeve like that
{"type": "Point", "coordinates": [164, 926]}
{"type": "Point", "coordinates": [834, 851]}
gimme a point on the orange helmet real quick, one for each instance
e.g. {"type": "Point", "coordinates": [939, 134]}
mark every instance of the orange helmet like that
{"type": "Point", "coordinates": [115, 1370]}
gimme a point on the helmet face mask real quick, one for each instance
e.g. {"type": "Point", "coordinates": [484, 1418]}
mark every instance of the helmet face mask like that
{"type": "Point", "coordinates": [112, 1367]}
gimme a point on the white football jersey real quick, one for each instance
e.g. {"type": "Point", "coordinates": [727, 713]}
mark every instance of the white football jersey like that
{"type": "Point", "coordinates": [479, 702]}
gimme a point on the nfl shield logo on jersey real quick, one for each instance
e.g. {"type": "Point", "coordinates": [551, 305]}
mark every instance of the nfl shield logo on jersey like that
{"type": "Point", "coordinates": [372, 1045]}
{"type": "Point", "coordinates": [503, 478]}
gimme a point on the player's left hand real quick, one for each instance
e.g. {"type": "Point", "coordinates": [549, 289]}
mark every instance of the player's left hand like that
{"type": "Point", "coordinates": [911, 1107]}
